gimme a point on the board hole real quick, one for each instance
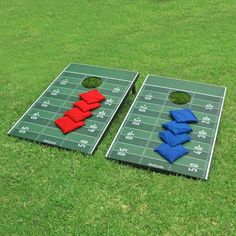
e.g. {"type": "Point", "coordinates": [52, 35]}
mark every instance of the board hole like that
{"type": "Point", "coordinates": [179, 97]}
{"type": "Point", "coordinates": [92, 82]}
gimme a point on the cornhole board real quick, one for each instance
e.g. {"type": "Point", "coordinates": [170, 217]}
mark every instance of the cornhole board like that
{"type": "Point", "coordinates": [38, 121]}
{"type": "Point", "coordinates": [137, 135]}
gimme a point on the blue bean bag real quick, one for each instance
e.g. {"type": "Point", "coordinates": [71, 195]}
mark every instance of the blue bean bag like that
{"type": "Point", "coordinates": [172, 139]}
{"type": "Point", "coordinates": [183, 116]}
{"type": "Point", "coordinates": [171, 154]}
{"type": "Point", "coordinates": [177, 128]}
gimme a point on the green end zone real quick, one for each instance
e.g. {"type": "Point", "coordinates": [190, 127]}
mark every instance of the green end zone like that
{"type": "Point", "coordinates": [137, 135]}
{"type": "Point", "coordinates": [38, 122]}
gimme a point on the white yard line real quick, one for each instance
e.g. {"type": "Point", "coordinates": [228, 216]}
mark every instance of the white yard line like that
{"type": "Point", "coordinates": [84, 64]}
{"type": "Point", "coordinates": [194, 82]}
{"type": "Point", "coordinates": [98, 76]}
{"type": "Point", "coordinates": [198, 99]}
{"type": "Point", "coordinates": [183, 90]}
{"type": "Point", "coordinates": [182, 107]}
{"type": "Point", "coordinates": [58, 87]}
{"type": "Point", "coordinates": [81, 79]}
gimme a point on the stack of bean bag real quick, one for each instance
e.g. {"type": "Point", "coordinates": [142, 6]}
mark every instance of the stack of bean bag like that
{"type": "Point", "coordinates": [176, 134]}
{"type": "Point", "coordinates": [75, 117]}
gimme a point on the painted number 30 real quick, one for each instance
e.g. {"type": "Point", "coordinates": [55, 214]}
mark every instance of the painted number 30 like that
{"type": "Point", "coordinates": [193, 167]}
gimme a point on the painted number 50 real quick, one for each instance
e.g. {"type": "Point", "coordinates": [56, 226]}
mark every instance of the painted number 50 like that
{"type": "Point", "coordinates": [193, 167]}
{"type": "Point", "coordinates": [122, 152]}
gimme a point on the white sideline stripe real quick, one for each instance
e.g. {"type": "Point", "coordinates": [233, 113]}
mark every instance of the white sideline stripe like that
{"type": "Point", "coordinates": [126, 117]}
{"type": "Point", "coordinates": [131, 84]}
{"type": "Point", "coordinates": [98, 76]}
{"type": "Point", "coordinates": [214, 141]}
{"type": "Point", "coordinates": [184, 90]}
{"type": "Point", "coordinates": [38, 99]}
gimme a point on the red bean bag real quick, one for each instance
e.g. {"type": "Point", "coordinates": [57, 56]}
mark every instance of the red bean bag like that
{"type": "Point", "coordinates": [92, 96]}
{"type": "Point", "coordinates": [84, 106]}
{"type": "Point", "coordinates": [67, 125]}
{"type": "Point", "coordinates": [77, 115]}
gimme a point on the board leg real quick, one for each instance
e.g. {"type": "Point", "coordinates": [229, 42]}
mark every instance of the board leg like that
{"type": "Point", "coordinates": [134, 89]}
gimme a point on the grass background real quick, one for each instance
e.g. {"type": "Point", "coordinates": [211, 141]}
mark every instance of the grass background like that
{"type": "Point", "coordinates": [47, 191]}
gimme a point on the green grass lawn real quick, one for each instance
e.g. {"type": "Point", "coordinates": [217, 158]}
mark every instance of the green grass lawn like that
{"type": "Point", "coordinates": [49, 191]}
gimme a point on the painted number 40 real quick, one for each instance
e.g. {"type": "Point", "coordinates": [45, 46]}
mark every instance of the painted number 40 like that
{"type": "Point", "coordinates": [193, 167]}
